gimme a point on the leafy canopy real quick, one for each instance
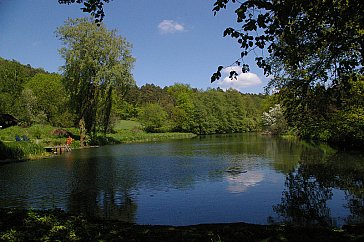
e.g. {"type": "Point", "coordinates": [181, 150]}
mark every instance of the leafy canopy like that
{"type": "Point", "coordinates": [95, 7]}
{"type": "Point", "coordinates": [315, 40]}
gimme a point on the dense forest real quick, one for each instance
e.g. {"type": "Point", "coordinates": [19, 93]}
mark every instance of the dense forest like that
{"type": "Point", "coordinates": [35, 96]}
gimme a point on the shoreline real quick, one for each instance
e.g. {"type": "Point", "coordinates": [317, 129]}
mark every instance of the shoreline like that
{"type": "Point", "coordinates": [56, 224]}
{"type": "Point", "coordinates": [154, 137]}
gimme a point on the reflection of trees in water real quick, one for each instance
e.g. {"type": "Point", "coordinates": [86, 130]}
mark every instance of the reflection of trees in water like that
{"type": "Point", "coordinates": [309, 187]}
{"type": "Point", "coordinates": [304, 200]}
{"type": "Point", "coordinates": [100, 192]}
{"type": "Point", "coordinates": [356, 207]}
{"type": "Point", "coordinates": [116, 205]}
{"type": "Point", "coordinates": [346, 172]}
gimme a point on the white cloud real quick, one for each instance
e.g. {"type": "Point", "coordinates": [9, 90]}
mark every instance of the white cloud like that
{"type": "Point", "coordinates": [170, 27]}
{"type": "Point", "coordinates": [243, 80]}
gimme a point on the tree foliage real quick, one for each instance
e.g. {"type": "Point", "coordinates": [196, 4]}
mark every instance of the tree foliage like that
{"type": "Point", "coordinates": [347, 123]}
{"type": "Point", "coordinates": [44, 98]}
{"type": "Point", "coordinates": [52, 101]}
{"type": "Point", "coordinates": [188, 109]}
{"type": "Point", "coordinates": [94, 7]}
{"type": "Point", "coordinates": [314, 52]}
{"type": "Point", "coordinates": [319, 40]}
{"type": "Point", "coordinates": [33, 95]}
{"type": "Point", "coordinates": [274, 121]}
{"type": "Point", "coordinates": [153, 117]}
{"type": "Point", "coordinates": [97, 63]}
{"type": "Point", "coordinates": [13, 77]}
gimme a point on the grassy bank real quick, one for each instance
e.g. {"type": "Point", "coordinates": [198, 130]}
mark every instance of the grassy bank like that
{"type": "Point", "coordinates": [36, 137]}
{"type": "Point", "coordinates": [56, 225]}
{"type": "Point", "coordinates": [131, 132]}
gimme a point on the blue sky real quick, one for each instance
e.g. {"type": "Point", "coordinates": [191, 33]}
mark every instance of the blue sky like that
{"type": "Point", "coordinates": [173, 40]}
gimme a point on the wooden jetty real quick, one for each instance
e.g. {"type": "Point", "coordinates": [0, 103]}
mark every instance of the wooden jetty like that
{"type": "Point", "coordinates": [58, 149]}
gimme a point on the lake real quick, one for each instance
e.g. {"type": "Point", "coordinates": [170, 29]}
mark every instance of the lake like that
{"type": "Point", "coordinates": [208, 179]}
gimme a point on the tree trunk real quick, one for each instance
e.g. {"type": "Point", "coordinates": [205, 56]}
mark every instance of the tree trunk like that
{"type": "Point", "coordinates": [82, 133]}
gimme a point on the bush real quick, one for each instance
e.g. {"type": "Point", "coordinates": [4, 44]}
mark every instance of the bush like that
{"type": "Point", "coordinates": [153, 117]}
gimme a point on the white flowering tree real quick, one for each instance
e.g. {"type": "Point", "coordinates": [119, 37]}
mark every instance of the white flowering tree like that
{"type": "Point", "coordinates": [274, 121]}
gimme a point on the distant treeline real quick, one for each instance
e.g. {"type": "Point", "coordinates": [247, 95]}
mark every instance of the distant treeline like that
{"type": "Point", "coordinates": [35, 96]}
{"type": "Point", "coordinates": [185, 109]}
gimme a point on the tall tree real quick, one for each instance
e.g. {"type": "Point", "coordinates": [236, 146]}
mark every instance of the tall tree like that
{"type": "Point", "coordinates": [184, 106]}
{"type": "Point", "coordinates": [97, 61]}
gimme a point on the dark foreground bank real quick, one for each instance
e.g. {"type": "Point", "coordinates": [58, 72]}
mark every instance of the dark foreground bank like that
{"type": "Point", "coordinates": [56, 225]}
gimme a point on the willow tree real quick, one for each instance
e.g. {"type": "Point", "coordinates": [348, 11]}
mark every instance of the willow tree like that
{"type": "Point", "coordinates": [97, 63]}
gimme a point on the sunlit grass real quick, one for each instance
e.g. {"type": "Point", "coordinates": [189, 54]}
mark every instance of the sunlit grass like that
{"type": "Point", "coordinates": [127, 131]}
{"type": "Point", "coordinates": [127, 125]}
{"type": "Point", "coordinates": [128, 137]}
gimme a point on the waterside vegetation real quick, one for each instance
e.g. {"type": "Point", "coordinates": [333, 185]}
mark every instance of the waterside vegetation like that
{"type": "Point", "coordinates": [56, 225]}
{"type": "Point", "coordinates": [39, 136]}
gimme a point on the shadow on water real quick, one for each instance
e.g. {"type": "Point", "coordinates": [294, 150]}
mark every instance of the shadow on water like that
{"type": "Point", "coordinates": [101, 190]}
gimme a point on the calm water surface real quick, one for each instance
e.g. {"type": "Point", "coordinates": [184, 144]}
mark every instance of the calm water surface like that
{"type": "Point", "coordinates": [209, 179]}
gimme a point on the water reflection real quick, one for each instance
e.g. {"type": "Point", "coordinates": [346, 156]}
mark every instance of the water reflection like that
{"type": "Point", "coordinates": [238, 183]}
{"type": "Point", "coordinates": [304, 201]}
{"type": "Point", "coordinates": [209, 179]}
{"type": "Point", "coordinates": [100, 189]}
{"type": "Point", "coordinates": [310, 188]}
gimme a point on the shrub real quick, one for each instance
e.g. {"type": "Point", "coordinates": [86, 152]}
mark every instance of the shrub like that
{"type": "Point", "coordinates": [153, 117]}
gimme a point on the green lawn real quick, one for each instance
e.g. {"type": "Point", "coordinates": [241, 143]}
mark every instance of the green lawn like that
{"type": "Point", "coordinates": [127, 125]}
